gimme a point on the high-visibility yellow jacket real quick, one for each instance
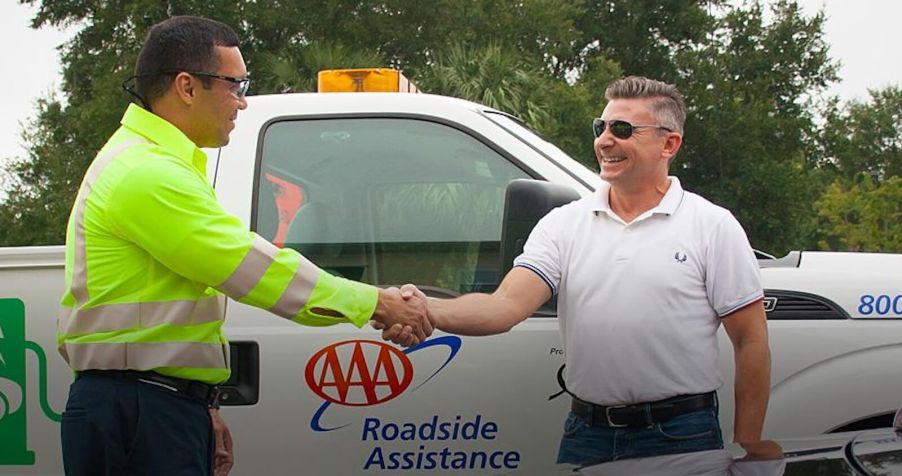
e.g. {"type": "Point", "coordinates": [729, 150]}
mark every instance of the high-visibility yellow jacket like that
{"type": "Point", "coordinates": [150, 252]}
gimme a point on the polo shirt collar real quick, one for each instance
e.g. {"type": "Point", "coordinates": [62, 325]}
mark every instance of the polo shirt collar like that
{"type": "Point", "coordinates": [672, 198]}
{"type": "Point", "coordinates": [165, 134]}
{"type": "Point", "coordinates": [667, 206]}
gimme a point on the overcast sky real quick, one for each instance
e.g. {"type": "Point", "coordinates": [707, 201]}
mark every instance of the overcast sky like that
{"type": "Point", "coordinates": [863, 35]}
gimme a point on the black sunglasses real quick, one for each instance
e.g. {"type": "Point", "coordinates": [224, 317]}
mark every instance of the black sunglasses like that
{"type": "Point", "coordinates": [620, 129]}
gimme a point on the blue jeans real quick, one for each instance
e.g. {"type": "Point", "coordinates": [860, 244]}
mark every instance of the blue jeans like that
{"type": "Point", "coordinates": [586, 445]}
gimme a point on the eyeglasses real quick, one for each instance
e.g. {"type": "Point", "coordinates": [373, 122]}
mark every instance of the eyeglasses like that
{"type": "Point", "coordinates": [239, 85]}
{"type": "Point", "coordinates": [620, 129]}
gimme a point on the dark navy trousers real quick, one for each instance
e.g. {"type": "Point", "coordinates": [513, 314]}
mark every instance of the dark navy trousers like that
{"type": "Point", "coordinates": [116, 425]}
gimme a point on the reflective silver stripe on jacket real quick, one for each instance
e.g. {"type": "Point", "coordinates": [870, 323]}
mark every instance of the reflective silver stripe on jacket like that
{"type": "Point", "coordinates": [80, 266]}
{"type": "Point", "coordinates": [144, 356]}
{"type": "Point", "coordinates": [252, 268]}
{"type": "Point", "coordinates": [120, 317]}
{"type": "Point", "coordinates": [298, 291]}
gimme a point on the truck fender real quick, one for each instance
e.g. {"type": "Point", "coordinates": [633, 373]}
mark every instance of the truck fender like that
{"type": "Point", "coordinates": [835, 392]}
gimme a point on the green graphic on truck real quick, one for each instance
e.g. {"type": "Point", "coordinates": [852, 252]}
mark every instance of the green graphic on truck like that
{"type": "Point", "coordinates": [13, 382]}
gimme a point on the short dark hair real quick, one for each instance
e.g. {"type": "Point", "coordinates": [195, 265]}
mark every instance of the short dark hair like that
{"type": "Point", "coordinates": [668, 105]}
{"type": "Point", "coordinates": [182, 43]}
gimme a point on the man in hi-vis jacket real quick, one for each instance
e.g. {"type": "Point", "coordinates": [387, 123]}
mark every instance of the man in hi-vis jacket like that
{"type": "Point", "coordinates": [150, 257]}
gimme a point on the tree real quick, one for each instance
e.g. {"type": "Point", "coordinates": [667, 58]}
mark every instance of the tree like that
{"type": "Point", "coordinates": [284, 45]}
{"type": "Point", "coordinates": [750, 91]}
{"type": "Point", "coordinates": [43, 185]}
{"type": "Point", "coordinates": [861, 217]}
{"type": "Point", "coordinates": [750, 137]}
{"type": "Point", "coordinates": [865, 139]}
{"type": "Point", "coordinates": [294, 67]}
{"type": "Point", "coordinates": [492, 76]}
{"type": "Point", "coordinates": [861, 143]}
{"type": "Point", "coordinates": [642, 36]}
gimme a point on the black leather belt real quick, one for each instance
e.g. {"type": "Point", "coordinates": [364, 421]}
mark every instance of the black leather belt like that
{"type": "Point", "coordinates": [642, 414]}
{"type": "Point", "coordinates": [204, 392]}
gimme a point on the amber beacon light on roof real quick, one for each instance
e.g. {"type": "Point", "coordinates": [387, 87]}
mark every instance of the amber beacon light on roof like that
{"type": "Point", "coordinates": [366, 80]}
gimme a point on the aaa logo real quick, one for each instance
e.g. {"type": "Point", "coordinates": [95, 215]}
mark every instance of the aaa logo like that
{"type": "Point", "coordinates": [359, 373]}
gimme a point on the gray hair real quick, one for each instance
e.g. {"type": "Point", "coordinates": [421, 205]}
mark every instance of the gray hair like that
{"type": "Point", "coordinates": [668, 106]}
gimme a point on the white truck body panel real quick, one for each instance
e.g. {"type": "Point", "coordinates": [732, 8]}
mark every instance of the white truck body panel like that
{"type": "Point", "coordinates": [826, 372]}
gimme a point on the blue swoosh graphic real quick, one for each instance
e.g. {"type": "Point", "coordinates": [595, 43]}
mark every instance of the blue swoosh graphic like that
{"type": "Point", "coordinates": [314, 422]}
{"type": "Point", "coordinates": [452, 342]}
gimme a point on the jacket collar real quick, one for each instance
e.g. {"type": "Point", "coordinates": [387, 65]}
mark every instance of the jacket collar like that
{"type": "Point", "coordinates": [165, 134]}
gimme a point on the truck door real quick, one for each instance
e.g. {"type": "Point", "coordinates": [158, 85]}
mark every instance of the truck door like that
{"type": "Point", "coordinates": [387, 201]}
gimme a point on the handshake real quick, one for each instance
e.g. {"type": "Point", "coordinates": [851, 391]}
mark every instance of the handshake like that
{"type": "Point", "coordinates": [403, 315]}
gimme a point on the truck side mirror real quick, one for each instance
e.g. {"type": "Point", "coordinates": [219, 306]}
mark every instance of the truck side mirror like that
{"type": "Point", "coordinates": [525, 203]}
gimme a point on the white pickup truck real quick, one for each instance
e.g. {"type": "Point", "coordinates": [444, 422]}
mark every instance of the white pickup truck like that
{"type": "Point", "coordinates": [394, 188]}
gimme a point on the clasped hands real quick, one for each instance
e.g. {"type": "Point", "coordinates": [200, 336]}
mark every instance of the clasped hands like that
{"type": "Point", "coordinates": [403, 315]}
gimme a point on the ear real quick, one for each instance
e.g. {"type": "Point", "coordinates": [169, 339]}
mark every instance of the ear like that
{"type": "Point", "coordinates": [672, 145]}
{"type": "Point", "coordinates": [185, 87]}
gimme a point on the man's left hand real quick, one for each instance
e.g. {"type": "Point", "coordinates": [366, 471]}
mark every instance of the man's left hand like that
{"type": "Point", "coordinates": [224, 457]}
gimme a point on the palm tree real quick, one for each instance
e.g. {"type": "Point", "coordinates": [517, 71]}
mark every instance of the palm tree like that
{"type": "Point", "coordinates": [294, 68]}
{"type": "Point", "coordinates": [491, 75]}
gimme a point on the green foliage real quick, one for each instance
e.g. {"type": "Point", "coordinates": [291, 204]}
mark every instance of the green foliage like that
{"type": "Point", "coordinates": [861, 217]}
{"type": "Point", "coordinates": [491, 76]}
{"type": "Point", "coordinates": [284, 45]}
{"type": "Point", "coordinates": [751, 81]}
{"type": "Point", "coordinates": [572, 108]}
{"type": "Point", "coordinates": [641, 36]}
{"type": "Point", "coordinates": [293, 69]}
{"type": "Point", "coordinates": [861, 144]}
{"type": "Point", "coordinates": [502, 79]}
{"type": "Point", "coordinates": [865, 139]}
{"type": "Point", "coordinates": [747, 139]}
{"type": "Point", "coordinates": [44, 185]}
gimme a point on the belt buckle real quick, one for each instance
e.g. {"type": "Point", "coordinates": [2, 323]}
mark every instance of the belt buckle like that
{"type": "Point", "coordinates": [607, 416]}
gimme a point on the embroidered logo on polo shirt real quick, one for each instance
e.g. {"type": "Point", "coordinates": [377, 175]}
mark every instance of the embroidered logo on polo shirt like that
{"type": "Point", "coordinates": [679, 257]}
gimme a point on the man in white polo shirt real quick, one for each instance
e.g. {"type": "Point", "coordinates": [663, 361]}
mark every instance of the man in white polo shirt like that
{"type": "Point", "coordinates": [645, 273]}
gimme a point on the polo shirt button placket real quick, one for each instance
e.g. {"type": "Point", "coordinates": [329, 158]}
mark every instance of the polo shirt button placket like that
{"type": "Point", "coordinates": [624, 252]}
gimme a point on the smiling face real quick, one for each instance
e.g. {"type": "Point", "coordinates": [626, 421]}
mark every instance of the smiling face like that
{"type": "Point", "coordinates": [216, 108]}
{"type": "Point", "coordinates": [641, 159]}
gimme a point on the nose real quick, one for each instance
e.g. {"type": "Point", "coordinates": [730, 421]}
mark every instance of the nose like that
{"type": "Point", "coordinates": [603, 141]}
{"type": "Point", "coordinates": [242, 103]}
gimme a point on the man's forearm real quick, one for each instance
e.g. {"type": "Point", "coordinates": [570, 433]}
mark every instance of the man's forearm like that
{"type": "Point", "coordinates": [752, 390]}
{"type": "Point", "coordinates": [474, 314]}
{"type": "Point", "coordinates": [520, 293]}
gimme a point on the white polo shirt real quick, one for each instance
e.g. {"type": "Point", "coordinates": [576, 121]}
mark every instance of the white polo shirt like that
{"type": "Point", "coordinates": [639, 303]}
